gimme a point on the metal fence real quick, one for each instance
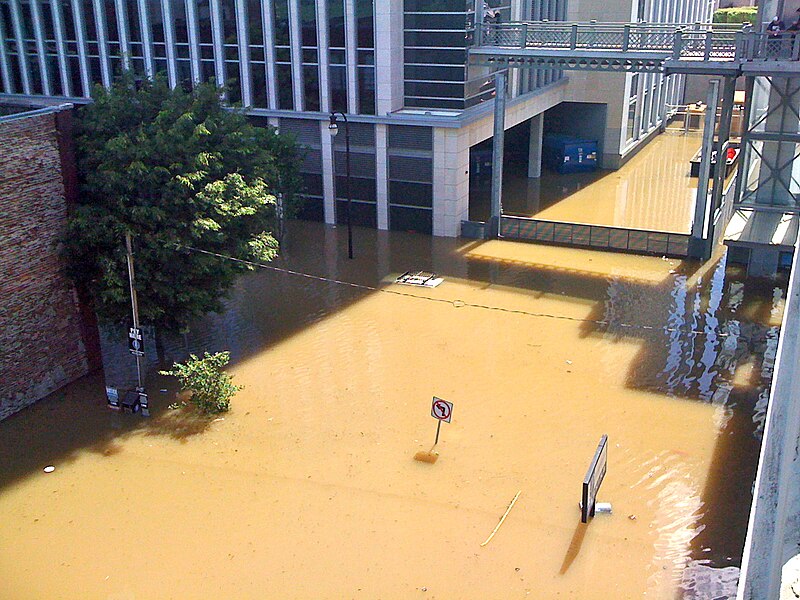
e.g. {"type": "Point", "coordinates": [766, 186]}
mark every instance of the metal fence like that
{"type": "Point", "coordinates": [600, 237]}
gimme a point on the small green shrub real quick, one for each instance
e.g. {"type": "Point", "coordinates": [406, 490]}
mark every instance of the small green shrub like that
{"type": "Point", "coordinates": [211, 388]}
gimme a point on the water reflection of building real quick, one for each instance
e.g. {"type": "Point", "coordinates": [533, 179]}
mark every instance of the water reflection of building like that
{"type": "Point", "coordinates": [398, 68]}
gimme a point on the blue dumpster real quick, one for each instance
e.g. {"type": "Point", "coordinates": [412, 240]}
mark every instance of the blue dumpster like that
{"type": "Point", "coordinates": [567, 154]}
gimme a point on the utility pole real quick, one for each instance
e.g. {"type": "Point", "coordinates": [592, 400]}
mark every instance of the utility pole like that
{"type": "Point", "coordinates": [135, 309]}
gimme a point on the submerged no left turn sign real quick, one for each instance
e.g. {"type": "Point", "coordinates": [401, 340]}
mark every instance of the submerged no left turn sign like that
{"type": "Point", "coordinates": [442, 409]}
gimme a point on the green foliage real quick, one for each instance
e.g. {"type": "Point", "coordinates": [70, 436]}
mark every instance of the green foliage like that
{"type": "Point", "coordinates": [743, 14]}
{"type": "Point", "coordinates": [211, 388]}
{"type": "Point", "coordinates": [175, 169]}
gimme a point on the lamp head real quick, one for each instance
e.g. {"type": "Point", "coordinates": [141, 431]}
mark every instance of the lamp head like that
{"type": "Point", "coordinates": [333, 127]}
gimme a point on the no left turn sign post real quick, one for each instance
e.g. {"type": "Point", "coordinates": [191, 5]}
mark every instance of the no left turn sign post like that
{"type": "Point", "coordinates": [442, 410]}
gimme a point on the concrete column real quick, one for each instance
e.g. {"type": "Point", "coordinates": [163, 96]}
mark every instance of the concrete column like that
{"type": "Point", "coordinates": [763, 262]}
{"type": "Point", "coordinates": [382, 175]}
{"type": "Point", "coordinates": [440, 201]}
{"type": "Point", "coordinates": [497, 152]}
{"type": "Point", "coordinates": [535, 147]}
{"type": "Point", "coordinates": [328, 188]}
{"type": "Point", "coordinates": [723, 134]}
{"type": "Point", "coordinates": [388, 62]}
{"type": "Point", "coordinates": [699, 247]}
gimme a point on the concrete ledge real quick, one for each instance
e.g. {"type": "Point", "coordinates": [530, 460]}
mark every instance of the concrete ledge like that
{"type": "Point", "coordinates": [772, 532]}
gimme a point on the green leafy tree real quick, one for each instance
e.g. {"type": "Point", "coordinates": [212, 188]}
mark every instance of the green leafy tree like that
{"type": "Point", "coordinates": [211, 388]}
{"type": "Point", "coordinates": [176, 169]}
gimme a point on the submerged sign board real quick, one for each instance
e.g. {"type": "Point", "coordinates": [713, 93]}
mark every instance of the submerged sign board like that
{"type": "Point", "coordinates": [594, 477]}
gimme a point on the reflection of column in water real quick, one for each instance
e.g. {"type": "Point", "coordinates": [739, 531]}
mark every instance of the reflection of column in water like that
{"type": "Point", "coordinates": [675, 322]}
{"type": "Point", "coordinates": [767, 367]}
{"type": "Point", "coordinates": [708, 360]}
{"type": "Point", "coordinates": [610, 312]}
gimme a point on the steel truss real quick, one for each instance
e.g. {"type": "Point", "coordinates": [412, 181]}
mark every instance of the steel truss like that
{"type": "Point", "coordinates": [770, 180]}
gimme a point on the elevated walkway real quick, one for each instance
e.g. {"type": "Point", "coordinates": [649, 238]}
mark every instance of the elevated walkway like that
{"type": "Point", "coordinates": [636, 47]}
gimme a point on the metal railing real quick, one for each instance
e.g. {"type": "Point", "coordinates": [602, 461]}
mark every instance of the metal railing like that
{"type": "Point", "coordinates": [695, 42]}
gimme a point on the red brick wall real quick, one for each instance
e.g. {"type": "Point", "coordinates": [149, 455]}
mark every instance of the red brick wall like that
{"type": "Point", "coordinates": [46, 340]}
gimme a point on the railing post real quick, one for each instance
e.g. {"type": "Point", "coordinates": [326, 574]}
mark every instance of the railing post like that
{"type": "Point", "coordinates": [678, 42]}
{"type": "Point", "coordinates": [709, 43]}
{"type": "Point", "coordinates": [573, 37]}
{"type": "Point", "coordinates": [478, 35]}
{"type": "Point", "coordinates": [738, 46]}
{"type": "Point", "coordinates": [524, 40]}
{"type": "Point", "coordinates": [626, 37]}
{"type": "Point", "coordinates": [796, 47]}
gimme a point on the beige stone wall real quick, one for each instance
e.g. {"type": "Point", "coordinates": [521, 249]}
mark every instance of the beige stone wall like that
{"type": "Point", "coordinates": [43, 340]}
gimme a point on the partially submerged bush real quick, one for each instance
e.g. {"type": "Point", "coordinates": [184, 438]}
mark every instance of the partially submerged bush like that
{"type": "Point", "coordinates": [211, 388]}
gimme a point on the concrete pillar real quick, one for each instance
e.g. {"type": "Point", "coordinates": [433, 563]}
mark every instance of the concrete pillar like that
{"type": "Point", "coordinates": [763, 261]}
{"type": "Point", "coordinates": [699, 246]}
{"type": "Point", "coordinates": [328, 187]}
{"type": "Point", "coordinates": [497, 152]}
{"type": "Point", "coordinates": [535, 147]}
{"type": "Point", "coordinates": [382, 175]}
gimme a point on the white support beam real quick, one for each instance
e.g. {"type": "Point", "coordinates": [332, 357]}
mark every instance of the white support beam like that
{"type": "Point", "coordinates": [218, 40]}
{"type": "Point", "coordinates": [193, 27]}
{"type": "Point", "coordinates": [147, 37]}
{"type": "Point", "coordinates": [22, 54]}
{"type": "Point", "coordinates": [323, 58]}
{"type": "Point", "coordinates": [5, 70]}
{"type": "Point", "coordinates": [243, 39]}
{"type": "Point", "coordinates": [102, 41]}
{"type": "Point", "coordinates": [268, 25]}
{"type": "Point", "coordinates": [169, 42]}
{"type": "Point", "coordinates": [61, 48]}
{"type": "Point", "coordinates": [123, 33]}
{"type": "Point", "coordinates": [41, 51]}
{"type": "Point", "coordinates": [351, 41]}
{"type": "Point", "coordinates": [295, 44]}
{"type": "Point", "coordinates": [80, 38]}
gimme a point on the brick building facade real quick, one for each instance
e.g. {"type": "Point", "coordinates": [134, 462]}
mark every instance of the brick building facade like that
{"type": "Point", "coordinates": [47, 339]}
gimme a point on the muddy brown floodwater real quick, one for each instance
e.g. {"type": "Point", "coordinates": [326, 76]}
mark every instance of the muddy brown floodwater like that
{"type": "Point", "coordinates": [308, 487]}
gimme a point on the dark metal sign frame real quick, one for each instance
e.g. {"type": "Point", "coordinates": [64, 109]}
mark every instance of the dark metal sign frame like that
{"type": "Point", "coordinates": [594, 477]}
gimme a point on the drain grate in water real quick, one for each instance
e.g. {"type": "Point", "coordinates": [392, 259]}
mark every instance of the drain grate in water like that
{"type": "Point", "coordinates": [419, 278]}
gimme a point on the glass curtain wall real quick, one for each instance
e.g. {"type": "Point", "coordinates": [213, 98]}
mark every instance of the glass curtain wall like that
{"type": "Point", "coordinates": [266, 52]}
{"type": "Point", "coordinates": [653, 98]}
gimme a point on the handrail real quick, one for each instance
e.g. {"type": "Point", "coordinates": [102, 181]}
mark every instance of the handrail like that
{"type": "Point", "coordinates": [695, 42]}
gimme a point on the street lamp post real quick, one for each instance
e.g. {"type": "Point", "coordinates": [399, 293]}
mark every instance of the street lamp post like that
{"type": "Point", "coordinates": [333, 128]}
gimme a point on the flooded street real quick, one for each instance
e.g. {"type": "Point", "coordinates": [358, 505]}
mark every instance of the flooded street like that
{"type": "Point", "coordinates": [308, 487]}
